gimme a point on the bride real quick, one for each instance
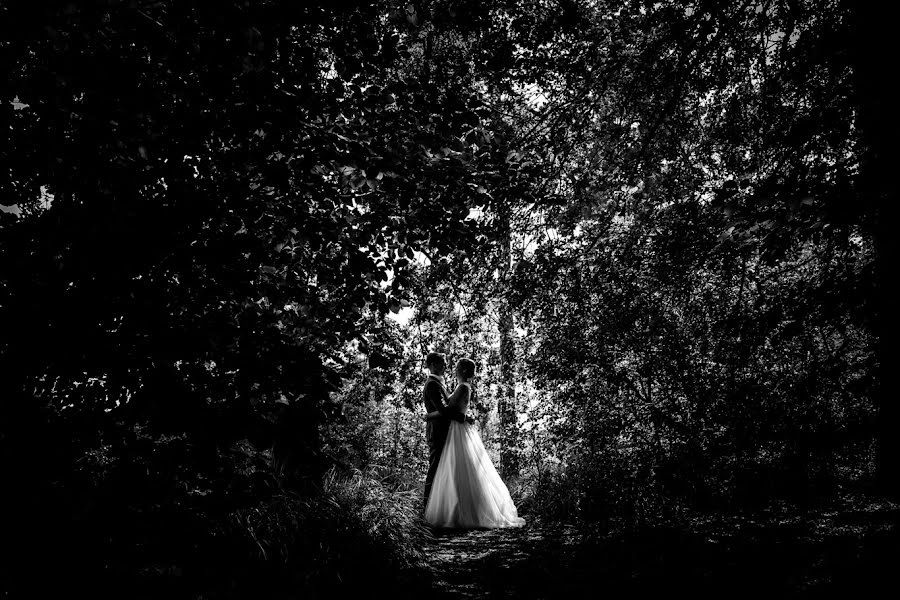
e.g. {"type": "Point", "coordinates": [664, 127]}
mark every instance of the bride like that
{"type": "Point", "coordinates": [467, 491]}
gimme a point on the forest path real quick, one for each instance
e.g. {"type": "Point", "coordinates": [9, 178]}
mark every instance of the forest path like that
{"type": "Point", "coordinates": [498, 563]}
{"type": "Point", "coordinates": [813, 554]}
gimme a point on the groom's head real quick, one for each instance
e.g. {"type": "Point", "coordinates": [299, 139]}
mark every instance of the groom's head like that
{"type": "Point", "coordinates": [436, 363]}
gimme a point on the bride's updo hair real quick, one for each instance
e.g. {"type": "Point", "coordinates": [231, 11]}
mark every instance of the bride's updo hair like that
{"type": "Point", "coordinates": [465, 368]}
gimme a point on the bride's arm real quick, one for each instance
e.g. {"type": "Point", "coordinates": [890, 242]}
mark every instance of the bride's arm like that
{"type": "Point", "coordinates": [460, 393]}
{"type": "Point", "coordinates": [450, 411]}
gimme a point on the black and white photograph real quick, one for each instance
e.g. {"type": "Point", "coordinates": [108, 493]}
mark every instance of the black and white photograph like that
{"type": "Point", "coordinates": [449, 299]}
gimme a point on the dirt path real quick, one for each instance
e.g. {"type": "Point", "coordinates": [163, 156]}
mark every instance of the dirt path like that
{"type": "Point", "coordinates": [498, 563]}
{"type": "Point", "coordinates": [813, 556]}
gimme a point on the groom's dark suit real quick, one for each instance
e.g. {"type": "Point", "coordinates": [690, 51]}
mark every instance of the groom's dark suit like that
{"type": "Point", "coordinates": [436, 430]}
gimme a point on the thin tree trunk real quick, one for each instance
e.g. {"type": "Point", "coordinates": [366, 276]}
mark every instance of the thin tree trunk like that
{"type": "Point", "coordinates": [506, 405]}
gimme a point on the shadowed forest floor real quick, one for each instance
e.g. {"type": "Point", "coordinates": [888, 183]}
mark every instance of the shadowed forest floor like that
{"type": "Point", "coordinates": [851, 551]}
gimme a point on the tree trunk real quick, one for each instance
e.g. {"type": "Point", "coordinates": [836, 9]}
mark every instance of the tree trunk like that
{"type": "Point", "coordinates": [506, 404]}
{"type": "Point", "coordinates": [872, 51]}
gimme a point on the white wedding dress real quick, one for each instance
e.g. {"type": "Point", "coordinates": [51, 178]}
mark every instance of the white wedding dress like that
{"type": "Point", "coordinates": [467, 492]}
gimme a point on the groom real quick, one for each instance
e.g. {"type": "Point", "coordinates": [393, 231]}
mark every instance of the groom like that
{"type": "Point", "coordinates": [436, 430]}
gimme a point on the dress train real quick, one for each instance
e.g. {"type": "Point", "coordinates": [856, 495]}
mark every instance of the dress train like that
{"type": "Point", "coordinates": [467, 491]}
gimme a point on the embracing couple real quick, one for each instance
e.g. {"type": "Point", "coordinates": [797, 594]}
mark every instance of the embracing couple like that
{"type": "Point", "coordinates": [462, 488]}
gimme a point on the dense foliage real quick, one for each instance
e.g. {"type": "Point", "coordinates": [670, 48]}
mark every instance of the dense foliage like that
{"type": "Point", "coordinates": [660, 229]}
